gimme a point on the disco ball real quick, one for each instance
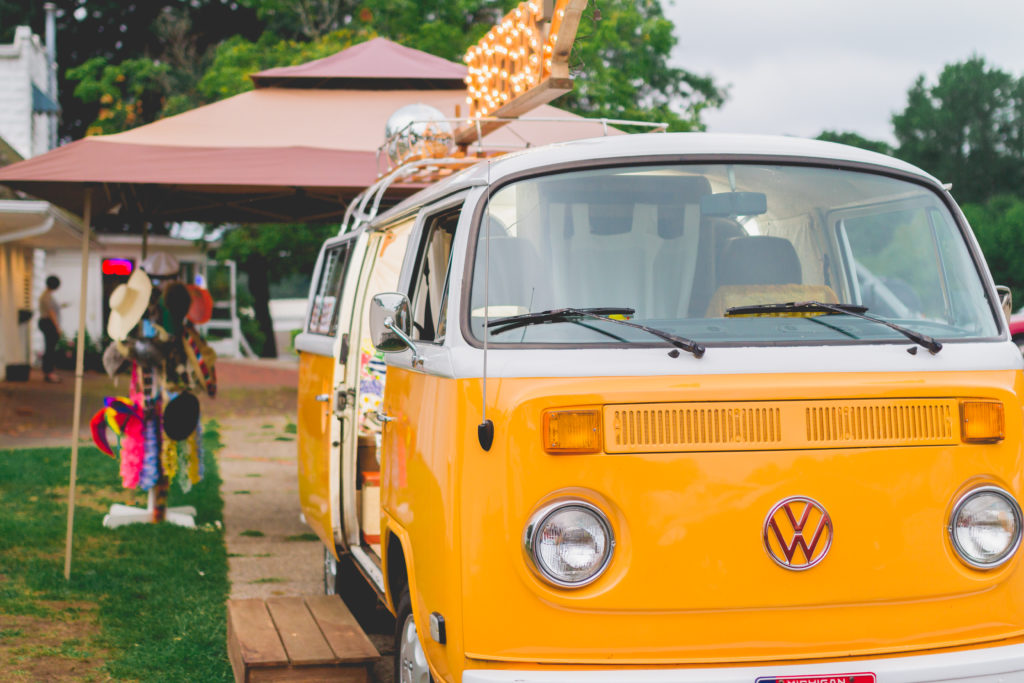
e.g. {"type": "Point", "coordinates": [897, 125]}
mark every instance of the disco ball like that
{"type": "Point", "coordinates": [418, 131]}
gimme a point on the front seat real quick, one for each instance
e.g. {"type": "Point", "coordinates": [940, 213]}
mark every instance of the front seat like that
{"type": "Point", "coordinates": [760, 269]}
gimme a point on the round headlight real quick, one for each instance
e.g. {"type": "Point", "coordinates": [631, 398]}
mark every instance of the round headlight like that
{"type": "Point", "coordinates": [570, 543]}
{"type": "Point", "coordinates": [985, 527]}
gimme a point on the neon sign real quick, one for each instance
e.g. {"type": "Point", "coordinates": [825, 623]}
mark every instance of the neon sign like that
{"type": "Point", "coordinates": [116, 266]}
{"type": "Point", "coordinates": [521, 63]}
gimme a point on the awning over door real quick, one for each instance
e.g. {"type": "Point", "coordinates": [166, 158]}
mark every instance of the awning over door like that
{"type": "Point", "coordinates": [38, 224]}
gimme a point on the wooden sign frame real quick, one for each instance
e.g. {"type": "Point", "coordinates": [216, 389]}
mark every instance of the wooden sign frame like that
{"type": "Point", "coordinates": [522, 63]}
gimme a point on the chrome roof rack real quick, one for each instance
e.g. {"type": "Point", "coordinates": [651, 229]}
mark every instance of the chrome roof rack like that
{"type": "Point", "coordinates": [365, 206]}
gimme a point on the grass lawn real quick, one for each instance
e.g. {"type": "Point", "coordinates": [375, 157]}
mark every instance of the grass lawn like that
{"type": "Point", "coordinates": [145, 602]}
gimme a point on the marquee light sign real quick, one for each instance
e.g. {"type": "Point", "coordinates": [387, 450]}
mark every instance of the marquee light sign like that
{"type": "Point", "coordinates": [521, 63]}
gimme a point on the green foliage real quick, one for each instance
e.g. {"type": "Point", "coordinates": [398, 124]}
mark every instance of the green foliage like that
{"type": "Point", "coordinates": [236, 58]}
{"type": "Point", "coordinates": [999, 227]}
{"type": "Point", "coordinates": [160, 588]}
{"type": "Point", "coordinates": [129, 94]}
{"type": "Point", "coordinates": [855, 140]}
{"type": "Point", "coordinates": [293, 246]}
{"type": "Point", "coordinates": [266, 253]}
{"type": "Point", "coordinates": [621, 63]}
{"type": "Point", "coordinates": [620, 58]}
{"type": "Point", "coordinates": [445, 29]}
{"type": "Point", "coordinates": [168, 31]}
{"type": "Point", "coordinates": [252, 331]}
{"type": "Point", "coordinates": [307, 19]}
{"type": "Point", "coordinates": [967, 128]}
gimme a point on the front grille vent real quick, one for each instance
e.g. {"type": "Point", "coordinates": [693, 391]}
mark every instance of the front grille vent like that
{"type": "Point", "coordinates": [666, 427]}
{"type": "Point", "coordinates": [908, 422]}
{"type": "Point", "coordinates": [774, 425]}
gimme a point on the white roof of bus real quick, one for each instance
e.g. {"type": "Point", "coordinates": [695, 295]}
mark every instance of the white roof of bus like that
{"type": "Point", "coordinates": [674, 145]}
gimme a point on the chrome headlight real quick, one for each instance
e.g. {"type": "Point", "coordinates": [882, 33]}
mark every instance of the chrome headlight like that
{"type": "Point", "coordinates": [985, 527]}
{"type": "Point", "coordinates": [570, 543]}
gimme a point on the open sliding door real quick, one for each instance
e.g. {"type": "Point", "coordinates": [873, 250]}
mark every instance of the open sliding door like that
{"type": "Point", "coordinates": [323, 353]}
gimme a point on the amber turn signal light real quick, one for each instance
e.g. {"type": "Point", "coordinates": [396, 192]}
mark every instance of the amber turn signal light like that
{"type": "Point", "coordinates": [568, 432]}
{"type": "Point", "coordinates": [981, 421]}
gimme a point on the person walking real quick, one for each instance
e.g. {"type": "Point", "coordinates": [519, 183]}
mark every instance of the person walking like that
{"type": "Point", "coordinates": [49, 325]}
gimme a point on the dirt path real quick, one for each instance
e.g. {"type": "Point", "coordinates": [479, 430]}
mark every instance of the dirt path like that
{"type": "Point", "coordinates": [270, 550]}
{"type": "Point", "coordinates": [34, 413]}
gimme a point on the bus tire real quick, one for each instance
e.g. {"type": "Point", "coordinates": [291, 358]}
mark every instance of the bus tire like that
{"type": "Point", "coordinates": [330, 573]}
{"type": "Point", "coordinates": [410, 660]}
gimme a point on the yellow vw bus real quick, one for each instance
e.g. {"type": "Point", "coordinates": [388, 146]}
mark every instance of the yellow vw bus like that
{"type": "Point", "coordinates": [671, 407]}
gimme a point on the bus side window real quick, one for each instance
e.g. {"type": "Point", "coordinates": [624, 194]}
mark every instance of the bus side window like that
{"type": "Point", "coordinates": [429, 295]}
{"type": "Point", "coordinates": [323, 317]}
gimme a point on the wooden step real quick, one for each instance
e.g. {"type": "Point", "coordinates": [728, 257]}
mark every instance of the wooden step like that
{"type": "Point", "coordinates": [297, 639]}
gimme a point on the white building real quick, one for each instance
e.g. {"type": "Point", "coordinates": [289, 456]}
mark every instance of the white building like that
{"type": "Point", "coordinates": [28, 116]}
{"type": "Point", "coordinates": [66, 263]}
{"type": "Point", "coordinates": [27, 111]}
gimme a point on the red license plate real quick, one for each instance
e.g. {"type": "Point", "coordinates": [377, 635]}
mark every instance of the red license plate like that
{"type": "Point", "coordinates": [819, 678]}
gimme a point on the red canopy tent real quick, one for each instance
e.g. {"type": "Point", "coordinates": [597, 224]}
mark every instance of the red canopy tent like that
{"type": "Point", "coordinates": [297, 148]}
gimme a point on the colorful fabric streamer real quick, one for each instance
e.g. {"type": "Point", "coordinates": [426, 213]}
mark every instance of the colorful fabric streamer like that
{"type": "Point", "coordinates": [151, 452]}
{"type": "Point", "coordinates": [183, 479]}
{"type": "Point", "coordinates": [169, 457]}
{"type": "Point", "coordinates": [201, 359]}
{"type": "Point", "coordinates": [132, 453]}
{"type": "Point", "coordinates": [113, 416]}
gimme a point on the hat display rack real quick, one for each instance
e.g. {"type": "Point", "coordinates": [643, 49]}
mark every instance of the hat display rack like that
{"type": "Point", "coordinates": [156, 429]}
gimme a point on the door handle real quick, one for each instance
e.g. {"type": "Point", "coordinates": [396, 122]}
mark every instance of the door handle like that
{"type": "Point", "coordinates": [322, 398]}
{"type": "Point", "coordinates": [384, 417]}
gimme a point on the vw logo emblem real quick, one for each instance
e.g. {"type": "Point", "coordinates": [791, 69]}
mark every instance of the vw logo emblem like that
{"type": "Point", "coordinates": [797, 533]}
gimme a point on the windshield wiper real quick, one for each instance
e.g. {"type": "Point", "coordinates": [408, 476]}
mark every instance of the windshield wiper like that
{"type": "Point", "coordinates": [930, 343]}
{"type": "Point", "coordinates": [560, 314]}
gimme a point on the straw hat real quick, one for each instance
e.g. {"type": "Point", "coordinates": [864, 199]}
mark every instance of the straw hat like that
{"type": "Point", "coordinates": [201, 309]}
{"type": "Point", "coordinates": [128, 302]}
{"type": "Point", "coordinates": [161, 264]}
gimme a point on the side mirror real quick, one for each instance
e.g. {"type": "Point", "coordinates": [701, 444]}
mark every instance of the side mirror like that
{"type": "Point", "coordinates": [1005, 300]}
{"type": "Point", "coordinates": [391, 324]}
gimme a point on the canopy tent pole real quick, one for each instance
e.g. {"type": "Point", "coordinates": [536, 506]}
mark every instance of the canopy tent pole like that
{"type": "Point", "coordinates": [79, 366]}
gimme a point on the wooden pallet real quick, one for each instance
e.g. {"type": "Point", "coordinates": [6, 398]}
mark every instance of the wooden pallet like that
{"type": "Point", "coordinates": [297, 639]}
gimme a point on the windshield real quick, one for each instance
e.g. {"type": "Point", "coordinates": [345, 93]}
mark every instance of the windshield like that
{"type": "Point", "coordinates": [683, 244]}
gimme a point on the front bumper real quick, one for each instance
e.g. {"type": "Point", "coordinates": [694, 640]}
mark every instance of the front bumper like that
{"type": "Point", "coordinates": [982, 665]}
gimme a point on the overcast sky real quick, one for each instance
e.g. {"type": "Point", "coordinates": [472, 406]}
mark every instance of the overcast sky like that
{"type": "Point", "coordinates": [797, 67]}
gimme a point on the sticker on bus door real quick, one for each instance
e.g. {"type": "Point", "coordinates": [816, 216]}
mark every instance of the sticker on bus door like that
{"type": "Point", "coordinates": [820, 678]}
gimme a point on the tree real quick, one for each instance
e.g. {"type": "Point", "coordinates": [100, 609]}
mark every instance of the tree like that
{"type": "Point", "coordinates": [266, 253]}
{"type": "Point", "coordinates": [855, 140]}
{"type": "Point", "coordinates": [620, 57]}
{"type": "Point", "coordinates": [967, 128]}
{"type": "Point", "coordinates": [121, 30]}
{"type": "Point", "coordinates": [999, 227]}
{"type": "Point", "coordinates": [303, 19]}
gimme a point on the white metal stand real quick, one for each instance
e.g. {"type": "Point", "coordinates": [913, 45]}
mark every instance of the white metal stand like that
{"type": "Point", "coordinates": [120, 515]}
